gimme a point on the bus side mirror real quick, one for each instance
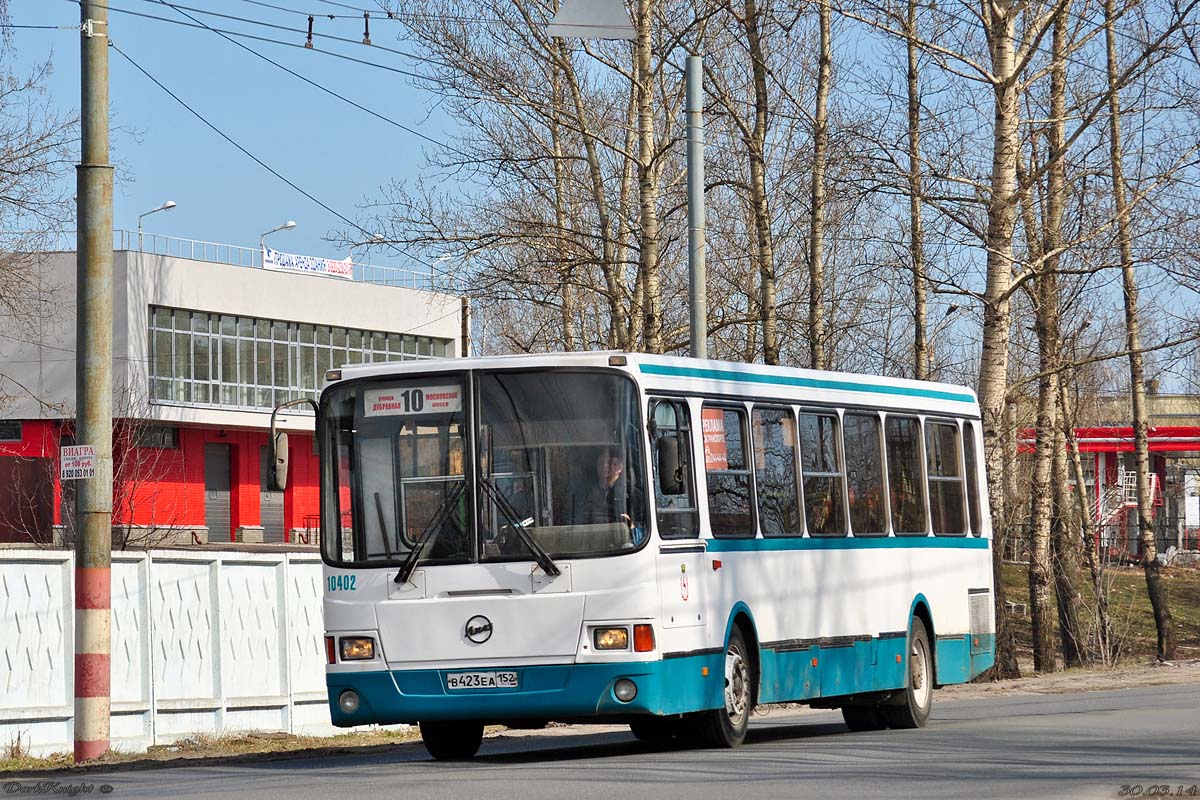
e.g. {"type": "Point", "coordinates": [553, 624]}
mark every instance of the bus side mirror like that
{"type": "Point", "coordinates": [277, 445]}
{"type": "Point", "coordinates": [279, 461]}
{"type": "Point", "coordinates": [670, 476]}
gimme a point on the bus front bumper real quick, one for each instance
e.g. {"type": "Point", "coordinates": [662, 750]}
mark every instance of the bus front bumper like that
{"type": "Point", "coordinates": [672, 686]}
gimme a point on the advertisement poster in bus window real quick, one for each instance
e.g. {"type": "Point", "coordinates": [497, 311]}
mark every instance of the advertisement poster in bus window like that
{"type": "Point", "coordinates": [712, 421]}
{"type": "Point", "coordinates": [412, 400]}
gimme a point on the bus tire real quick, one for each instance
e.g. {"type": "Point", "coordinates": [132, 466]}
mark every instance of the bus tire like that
{"type": "Point", "coordinates": [452, 741]}
{"type": "Point", "coordinates": [863, 718]}
{"type": "Point", "coordinates": [910, 707]}
{"type": "Point", "coordinates": [726, 726]}
{"type": "Point", "coordinates": [655, 730]}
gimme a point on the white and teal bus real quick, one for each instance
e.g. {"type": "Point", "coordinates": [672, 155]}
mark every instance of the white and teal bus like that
{"type": "Point", "coordinates": [646, 540]}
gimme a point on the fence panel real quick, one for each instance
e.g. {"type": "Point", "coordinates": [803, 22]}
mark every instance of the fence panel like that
{"type": "Point", "coordinates": [203, 642]}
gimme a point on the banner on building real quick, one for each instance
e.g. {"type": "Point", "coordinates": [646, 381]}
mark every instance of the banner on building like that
{"type": "Point", "coordinates": [290, 262]}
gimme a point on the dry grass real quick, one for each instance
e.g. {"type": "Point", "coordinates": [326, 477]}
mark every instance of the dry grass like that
{"type": "Point", "coordinates": [1129, 609]}
{"type": "Point", "coordinates": [247, 746]}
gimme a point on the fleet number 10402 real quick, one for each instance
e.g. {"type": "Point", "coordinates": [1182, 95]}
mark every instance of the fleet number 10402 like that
{"type": "Point", "coordinates": [341, 583]}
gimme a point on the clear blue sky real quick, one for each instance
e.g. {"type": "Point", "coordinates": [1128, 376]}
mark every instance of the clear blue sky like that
{"type": "Point", "coordinates": [337, 153]}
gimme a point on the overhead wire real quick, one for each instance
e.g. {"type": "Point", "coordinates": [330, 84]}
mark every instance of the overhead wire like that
{"type": "Point", "coordinates": [231, 141]}
{"type": "Point", "coordinates": [263, 39]}
{"type": "Point", "coordinates": [316, 85]}
{"type": "Point", "coordinates": [275, 26]}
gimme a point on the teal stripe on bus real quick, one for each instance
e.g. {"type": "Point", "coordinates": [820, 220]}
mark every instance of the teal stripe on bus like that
{"type": "Point", "coordinates": [805, 383]}
{"type": "Point", "coordinates": [847, 543]}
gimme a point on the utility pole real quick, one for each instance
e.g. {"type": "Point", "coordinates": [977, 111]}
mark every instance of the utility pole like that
{"type": "Point", "coordinates": [465, 319]}
{"type": "Point", "coordinates": [93, 392]}
{"type": "Point", "coordinates": [698, 290]}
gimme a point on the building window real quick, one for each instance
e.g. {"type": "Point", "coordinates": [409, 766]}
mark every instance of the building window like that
{"type": "Point", "coordinates": [160, 437]}
{"type": "Point", "coordinates": [11, 430]}
{"type": "Point", "coordinates": [221, 360]}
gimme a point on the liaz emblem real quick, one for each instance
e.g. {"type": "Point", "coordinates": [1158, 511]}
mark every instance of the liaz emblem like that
{"type": "Point", "coordinates": [479, 629]}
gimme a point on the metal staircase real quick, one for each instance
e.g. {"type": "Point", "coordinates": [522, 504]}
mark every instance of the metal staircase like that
{"type": "Point", "coordinates": [1122, 495]}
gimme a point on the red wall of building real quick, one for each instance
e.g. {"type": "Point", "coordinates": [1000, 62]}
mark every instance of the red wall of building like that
{"type": "Point", "coordinates": [303, 498]}
{"type": "Point", "coordinates": [165, 486]}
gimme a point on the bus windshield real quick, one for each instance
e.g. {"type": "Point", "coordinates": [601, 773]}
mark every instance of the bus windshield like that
{"type": "Point", "coordinates": [558, 462]}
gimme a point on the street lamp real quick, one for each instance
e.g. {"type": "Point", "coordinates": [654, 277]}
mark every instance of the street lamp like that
{"type": "Point", "coordinates": [287, 226]}
{"type": "Point", "coordinates": [167, 206]}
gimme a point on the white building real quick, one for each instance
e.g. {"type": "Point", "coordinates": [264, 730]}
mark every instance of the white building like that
{"type": "Point", "coordinates": [205, 343]}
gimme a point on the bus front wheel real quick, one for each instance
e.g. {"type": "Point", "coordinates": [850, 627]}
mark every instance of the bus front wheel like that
{"type": "Point", "coordinates": [452, 741]}
{"type": "Point", "coordinates": [726, 726]}
{"type": "Point", "coordinates": [910, 707]}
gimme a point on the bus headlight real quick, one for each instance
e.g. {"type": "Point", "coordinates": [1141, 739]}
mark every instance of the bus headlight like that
{"type": "Point", "coordinates": [358, 649]}
{"type": "Point", "coordinates": [611, 638]}
{"type": "Point", "coordinates": [348, 701]}
{"type": "Point", "coordinates": [625, 690]}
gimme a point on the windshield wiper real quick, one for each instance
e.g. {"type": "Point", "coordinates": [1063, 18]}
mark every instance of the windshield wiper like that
{"type": "Point", "coordinates": [540, 555]}
{"type": "Point", "coordinates": [414, 555]}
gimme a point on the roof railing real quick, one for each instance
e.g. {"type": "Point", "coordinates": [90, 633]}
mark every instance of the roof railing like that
{"type": "Point", "coordinates": [251, 257]}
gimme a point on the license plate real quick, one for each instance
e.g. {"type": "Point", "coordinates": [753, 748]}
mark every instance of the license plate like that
{"type": "Point", "coordinates": [481, 680]}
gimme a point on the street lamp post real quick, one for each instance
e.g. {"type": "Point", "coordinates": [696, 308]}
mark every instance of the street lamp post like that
{"type": "Point", "coordinates": [167, 206]}
{"type": "Point", "coordinates": [287, 226]}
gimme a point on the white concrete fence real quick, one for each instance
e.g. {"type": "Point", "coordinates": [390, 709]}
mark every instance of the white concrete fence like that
{"type": "Point", "coordinates": [203, 642]}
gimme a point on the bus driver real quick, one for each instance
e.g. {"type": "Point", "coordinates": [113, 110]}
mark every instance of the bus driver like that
{"type": "Point", "coordinates": [604, 499]}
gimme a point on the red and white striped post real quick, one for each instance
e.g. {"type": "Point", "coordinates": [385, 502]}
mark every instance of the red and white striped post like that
{"type": "Point", "coordinates": [93, 392]}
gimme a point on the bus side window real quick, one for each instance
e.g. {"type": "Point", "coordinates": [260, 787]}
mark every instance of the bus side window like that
{"type": "Point", "coordinates": [903, 436]}
{"type": "Point", "coordinates": [945, 478]}
{"type": "Point", "coordinates": [674, 484]}
{"type": "Point", "coordinates": [864, 474]}
{"type": "Point", "coordinates": [822, 470]}
{"type": "Point", "coordinates": [972, 476]}
{"type": "Point", "coordinates": [775, 472]}
{"type": "Point", "coordinates": [728, 471]}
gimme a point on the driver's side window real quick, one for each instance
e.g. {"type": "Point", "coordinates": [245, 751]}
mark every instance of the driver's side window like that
{"type": "Point", "coordinates": [674, 482]}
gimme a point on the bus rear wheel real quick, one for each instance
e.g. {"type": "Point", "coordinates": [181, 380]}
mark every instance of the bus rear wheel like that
{"type": "Point", "coordinates": [910, 707]}
{"type": "Point", "coordinates": [726, 726]}
{"type": "Point", "coordinates": [452, 741]}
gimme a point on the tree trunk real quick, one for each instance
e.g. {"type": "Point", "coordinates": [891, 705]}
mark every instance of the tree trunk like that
{"type": "Point", "coordinates": [764, 244]}
{"type": "Point", "coordinates": [1064, 550]}
{"type": "Point", "coordinates": [1103, 635]}
{"type": "Point", "coordinates": [1040, 609]}
{"type": "Point", "coordinates": [993, 367]}
{"type": "Point", "coordinates": [922, 356]}
{"type": "Point", "coordinates": [647, 185]}
{"type": "Point", "coordinates": [608, 264]}
{"type": "Point", "coordinates": [817, 336]}
{"type": "Point", "coordinates": [1064, 558]}
{"type": "Point", "coordinates": [1137, 385]}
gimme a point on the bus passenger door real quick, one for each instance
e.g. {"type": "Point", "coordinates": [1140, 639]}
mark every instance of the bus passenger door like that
{"type": "Point", "coordinates": [681, 553]}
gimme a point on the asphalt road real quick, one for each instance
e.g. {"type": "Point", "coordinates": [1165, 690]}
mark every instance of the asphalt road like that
{"type": "Point", "coordinates": [1086, 745]}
